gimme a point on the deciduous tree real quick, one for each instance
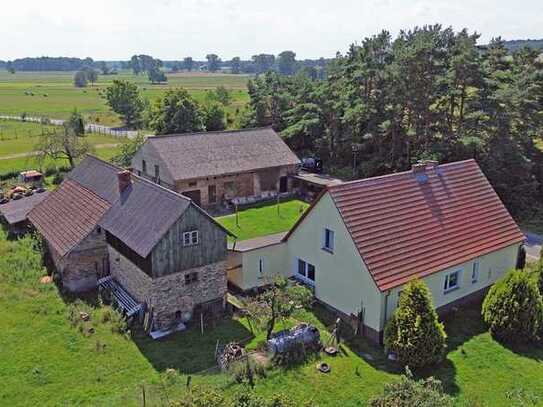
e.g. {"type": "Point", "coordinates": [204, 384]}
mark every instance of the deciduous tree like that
{"type": "Point", "coordinates": [176, 112]}
{"type": "Point", "coordinates": [124, 98]}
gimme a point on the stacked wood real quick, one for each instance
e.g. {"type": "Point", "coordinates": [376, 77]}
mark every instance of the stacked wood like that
{"type": "Point", "coordinates": [229, 354]}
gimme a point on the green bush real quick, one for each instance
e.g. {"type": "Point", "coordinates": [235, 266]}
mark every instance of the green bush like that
{"type": "Point", "coordinates": [513, 308]}
{"type": "Point", "coordinates": [409, 392]}
{"type": "Point", "coordinates": [414, 332]}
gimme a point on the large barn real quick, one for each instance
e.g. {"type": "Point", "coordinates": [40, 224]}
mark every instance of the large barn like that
{"type": "Point", "coordinates": [215, 167]}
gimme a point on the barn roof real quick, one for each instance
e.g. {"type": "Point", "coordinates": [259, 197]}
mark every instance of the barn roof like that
{"type": "Point", "coordinates": [406, 226]}
{"type": "Point", "coordinates": [68, 215]}
{"type": "Point", "coordinates": [143, 214]}
{"type": "Point", "coordinates": [16, 211]}
{"type": "Point", "coordinates": [196, 155]}
{"type": "Point", "coordinates": [139, 216]}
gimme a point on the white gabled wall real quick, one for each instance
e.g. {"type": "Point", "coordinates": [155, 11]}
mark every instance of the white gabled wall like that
{"type": "Point", "coordinates": [342, 279]}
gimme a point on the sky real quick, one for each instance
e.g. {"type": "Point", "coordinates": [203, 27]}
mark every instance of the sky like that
{"type": "Point", "coordinates": [173, 29]}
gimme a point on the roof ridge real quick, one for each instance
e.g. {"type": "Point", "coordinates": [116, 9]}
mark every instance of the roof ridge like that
{"type": "Point", "coordinates": [134, 176]}
{"type": "Point", "coordinates": [395, 174]}
{"type": "Point", "coordinates": [198, 133]}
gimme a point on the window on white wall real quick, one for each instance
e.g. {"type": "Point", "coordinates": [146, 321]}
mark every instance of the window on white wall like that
{"type": "Point", "coordinates": [475, 272]}
{"type": "Point", "coordinates": [452, 281]}
{"type": "Point", "coordinates": [261, 265]}
{"type": "Point", "coordinates": [191, 238]}
{"type": "Point", "coordinates": [328, 240]}
{"type": "Point", "coordinates": [305, 272]}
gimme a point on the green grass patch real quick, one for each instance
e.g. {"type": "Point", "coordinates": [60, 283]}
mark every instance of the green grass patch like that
{"type": "Point", "coordinates": [264, 219]}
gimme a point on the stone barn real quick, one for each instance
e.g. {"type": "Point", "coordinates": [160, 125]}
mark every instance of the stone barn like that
{"type": "Point", "coordinates": [213, 168]}
{"type": "Point", "coordinates": [155, 245]}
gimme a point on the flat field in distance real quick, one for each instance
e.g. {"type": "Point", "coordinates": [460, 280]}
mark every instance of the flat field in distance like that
{"type": "Point", "coordinates": [53, 95]}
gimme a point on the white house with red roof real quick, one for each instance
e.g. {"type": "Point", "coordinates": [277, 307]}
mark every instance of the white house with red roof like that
{"type": "Point", "coordinates": [360, 242]}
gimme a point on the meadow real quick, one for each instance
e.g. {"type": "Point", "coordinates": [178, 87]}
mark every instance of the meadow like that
{"type": "Point", "coordinates": [52, 94]}
{"type": "Point", "coordinates": [18, 142]}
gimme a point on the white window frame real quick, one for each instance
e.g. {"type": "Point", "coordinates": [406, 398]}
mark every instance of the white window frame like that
{"type": "Point", "coordinates": [446, 286]}
{"type": "Point", "coordinates": [328, 246]}
{"type": "Point", "coordinates": [191, 238]}
{"type": "Point", "coordinates": [304, 277]}
{"type": "Point", "coordinates": [475, 271]}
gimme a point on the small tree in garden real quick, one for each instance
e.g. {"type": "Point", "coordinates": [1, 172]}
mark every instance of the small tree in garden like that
{"type": "Point", "coordinates": [279, 301]}
{"type": "Point", "coordinates": [513, 308]}
{"type": "Point", "coordinates": [409, 392]}
{"type": "Point", "coordinates": [414, 332]}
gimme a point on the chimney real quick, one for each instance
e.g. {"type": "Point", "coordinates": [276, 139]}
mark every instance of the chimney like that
{"type": "Point", "coordinates": [124, 178]}
{"type": "Point", "coordinates": [419, 171]}
{"type": "Point", "coordinates": [434, 165]}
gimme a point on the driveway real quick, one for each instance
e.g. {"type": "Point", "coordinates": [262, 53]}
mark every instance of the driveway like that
{"type": "Point", "coordinates": [533, 245]}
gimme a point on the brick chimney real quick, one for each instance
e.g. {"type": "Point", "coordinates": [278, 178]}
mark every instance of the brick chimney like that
{"type": "Point", "coordinates": [124, 178]}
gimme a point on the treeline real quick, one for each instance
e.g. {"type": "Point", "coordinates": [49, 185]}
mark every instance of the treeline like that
{"type": "Point", "coordinates": [50, 64]}
{"type": "Point", "coordinates": [430, 93]}
{"type": "Point", "coordinates": [284, 63]}
{"type": "Point", "coordinates": [515, 45]}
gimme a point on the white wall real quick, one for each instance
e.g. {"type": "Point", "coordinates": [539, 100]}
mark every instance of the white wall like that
{"type": "Point", "coordinates": [341, 280]}
{"type": "Point", "coordinates": [249, 276]}
{"type": "Point", "coordinates": [492, 267]}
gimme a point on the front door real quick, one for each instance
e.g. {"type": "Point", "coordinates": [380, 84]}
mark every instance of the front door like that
{"type": "Point", "coordinates": [283, 184]}
{"type": "Point", "coordinates": [194, 195]}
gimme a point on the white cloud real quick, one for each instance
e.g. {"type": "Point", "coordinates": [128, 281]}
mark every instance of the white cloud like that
{"type": "Point", "coordinates": [171, 29]}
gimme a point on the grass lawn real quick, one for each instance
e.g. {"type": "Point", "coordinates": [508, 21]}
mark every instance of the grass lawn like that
{"type": "Point", "coordinates": [20, 138]}
{"type": "Point", "coordinates": [47, 361]}
{"type": "Point", "coordinates": [52, 94]}
{"type": "Point", "coordinates": [264, 219]}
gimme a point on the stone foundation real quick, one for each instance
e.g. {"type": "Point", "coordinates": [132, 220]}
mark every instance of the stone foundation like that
{"type": "Point", "coordinates": [169, 297]}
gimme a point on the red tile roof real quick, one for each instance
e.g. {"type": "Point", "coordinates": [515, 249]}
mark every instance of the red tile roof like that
{"type": "Point", "coordinates": [68, 215]}
{"type": "Point", "coordinates": [407, 229]}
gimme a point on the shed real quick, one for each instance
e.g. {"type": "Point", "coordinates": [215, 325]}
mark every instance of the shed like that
{"type": "Point", "coordinates": [14, 212]}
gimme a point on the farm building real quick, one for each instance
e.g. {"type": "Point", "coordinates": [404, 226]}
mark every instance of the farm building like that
{"type": "Point", "coordinates": [14, 212]}
{"type": "Point", "coordinates": [360, 242]}
{"type": "Point", "coordinates": [105, 225]}
{"type": "Point", "coordinates": [214, 168]}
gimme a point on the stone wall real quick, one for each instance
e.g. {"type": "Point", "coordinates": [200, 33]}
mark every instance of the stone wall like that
{"type": "Point", "coordinates": [135, 281]}
{"type": "Point", "coordinates": [80, 269]}
{"type": "Point", "coordinates": [169, 295]}
{"type": "Point", "coordinates": [245, 184]}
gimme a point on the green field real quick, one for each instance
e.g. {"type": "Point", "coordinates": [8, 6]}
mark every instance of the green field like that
{"type": "Point", "coordinates": [264, 219]}
{"type": "Point", "coordinates": [18, 141]}
{"type": "Point", "coordinates": [52, 94]}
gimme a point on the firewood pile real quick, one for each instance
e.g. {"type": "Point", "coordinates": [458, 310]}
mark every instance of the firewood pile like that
{"type": "Point", "coordinates": [229, 354]}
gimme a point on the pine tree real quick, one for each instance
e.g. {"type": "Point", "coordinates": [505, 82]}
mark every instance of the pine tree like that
{"type": "Point", "coordinates": [513, 308]}
{"type": "Point", "coordinates": [414, 332]}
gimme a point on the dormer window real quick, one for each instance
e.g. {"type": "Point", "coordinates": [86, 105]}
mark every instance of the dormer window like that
{"type": "Point", "coordinates": [191, 238]}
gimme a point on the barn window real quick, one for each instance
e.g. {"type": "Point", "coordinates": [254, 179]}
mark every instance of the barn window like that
{"type": "Point", "coordinates": [193, 183]}
{"type": "Point", "coordinates": [191, 238]}
{"type": "Point", "coordinates": [191, 278]}
{"type": "Point", "coordinates": [144, 166]}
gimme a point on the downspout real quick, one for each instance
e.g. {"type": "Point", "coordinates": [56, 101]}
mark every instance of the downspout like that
{"type": "Point", "coordinates": [387, 294]}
